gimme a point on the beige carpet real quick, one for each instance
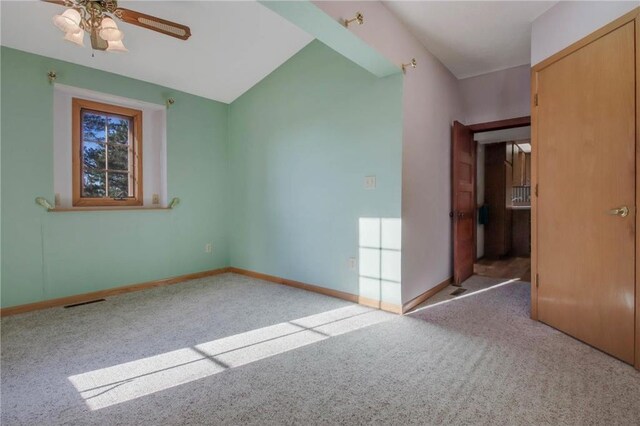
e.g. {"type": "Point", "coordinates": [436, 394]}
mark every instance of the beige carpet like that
{"type": "Point", "coordinates": [232, 350]}
{"type": "Point", "coordinates": [473, 285]}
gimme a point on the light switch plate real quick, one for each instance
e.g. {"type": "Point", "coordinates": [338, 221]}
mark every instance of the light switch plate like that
{"type": "Point", "coordinates": [369, 182]}
{"type": "Point", "coordinates": [155, 199]}
{"type": "Point", "coordinates": [353, 263]}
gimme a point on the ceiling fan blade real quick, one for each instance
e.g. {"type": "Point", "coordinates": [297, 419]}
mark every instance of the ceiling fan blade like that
{"type": "Point", "coordinates": [60, 2]}
{"type": "Point", "coordinates": [151, 22]}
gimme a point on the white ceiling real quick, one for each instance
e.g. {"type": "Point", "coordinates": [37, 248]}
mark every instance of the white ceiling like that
{"type": "Point", "coordinates": [473, 37]}
{"type": "Point", "coordinates": [233, 45]}
{"type": "Point", "coordinates": [515, 134]}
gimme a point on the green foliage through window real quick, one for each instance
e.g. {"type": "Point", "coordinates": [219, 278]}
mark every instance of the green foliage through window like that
{"type": "Point", "coordinates": [107, 151]}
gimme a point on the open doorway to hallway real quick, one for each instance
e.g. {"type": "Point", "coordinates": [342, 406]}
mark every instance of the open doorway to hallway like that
{"type": "Point", "coordinates": [503, 223]}
{"type": "Point", "coordinates": [503, 168]}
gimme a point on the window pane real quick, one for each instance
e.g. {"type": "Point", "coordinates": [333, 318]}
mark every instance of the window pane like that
{"type": "Point", "coordinates": [93, 127]}
{"type": "Point", "coordinates": [118, 185]}
{"type": "Point", "coordinates": [118, 130]}
{"type": "Point", "coordinates": [93, 155]}
{"type": "Point", "coordinates": [118, 157]}
{"type": "Point", "coordinates": [93, 184]}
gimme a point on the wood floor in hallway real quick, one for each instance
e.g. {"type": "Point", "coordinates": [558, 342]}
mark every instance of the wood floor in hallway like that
{"type": "Point", "coordinates": [512, 267]}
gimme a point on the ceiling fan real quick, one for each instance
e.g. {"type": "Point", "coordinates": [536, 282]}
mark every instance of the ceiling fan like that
{"type": "Point", "coordinates": [94, 17]}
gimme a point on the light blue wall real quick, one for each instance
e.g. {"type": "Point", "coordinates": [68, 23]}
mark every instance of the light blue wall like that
{"type": "Point", "coordinates": [49, 255]}
{"type": "Point", "coordinates": [301, 142]}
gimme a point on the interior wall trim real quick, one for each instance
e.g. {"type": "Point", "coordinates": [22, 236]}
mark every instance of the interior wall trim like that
{"type": "Point", "coordinates": [509, 123]}
{"type": "Point", "coordinates": [426, 295]}
{"type": "Point", "coordinates": [389, 307]}
{"type": "Point", "coordinates": [101, 294]}
{"type": "Point", "coordinates": [637, 30]}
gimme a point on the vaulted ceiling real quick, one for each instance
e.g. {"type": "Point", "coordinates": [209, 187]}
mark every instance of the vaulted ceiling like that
{"type": "Point", "coordinates": [236, 44]}
{"type": "Point", "coordinates": [233, 44]}
{"type": "Point", "coordinates": [473, 37]}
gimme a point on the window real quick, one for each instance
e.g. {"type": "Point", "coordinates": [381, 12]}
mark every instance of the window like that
{"type": "Point", "coordinates": [150, 148]}
{"type": "Point", "coordinates": [107, 154]}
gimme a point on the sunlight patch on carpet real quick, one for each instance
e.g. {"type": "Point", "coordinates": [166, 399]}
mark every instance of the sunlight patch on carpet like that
{"type": "Point", "coordinates": [124, 382]}
{"type": "Point", "coordinates": [464, 296]}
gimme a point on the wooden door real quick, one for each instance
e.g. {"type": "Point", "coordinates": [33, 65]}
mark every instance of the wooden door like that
{"type": "Point", "coordinates": [463, 166]}
{"type": "Point", "coordinates": [585, 169]}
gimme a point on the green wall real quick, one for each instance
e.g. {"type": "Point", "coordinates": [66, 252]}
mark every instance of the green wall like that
{"type": "Point", "coordinates": [301, 142]}
{"type": "Point", "coordinates": [275, 180]}
{"type": "Point", "coordinates": [49, 255]}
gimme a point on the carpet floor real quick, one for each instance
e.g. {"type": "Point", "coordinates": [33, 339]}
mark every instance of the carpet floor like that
{"type": "Point", "coordinates": [234, 350]}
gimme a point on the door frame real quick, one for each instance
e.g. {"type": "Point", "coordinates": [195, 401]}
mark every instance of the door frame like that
{"type": "Point", "coordinates": [488, 126]}
{"type": "Point", "coordinates": [632, 16]}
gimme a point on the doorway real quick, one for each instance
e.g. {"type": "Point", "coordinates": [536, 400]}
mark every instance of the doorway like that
{"type": "Point", "coordinates": [503, 182]}
{"type": "Point", "coordinates": [469, 206]}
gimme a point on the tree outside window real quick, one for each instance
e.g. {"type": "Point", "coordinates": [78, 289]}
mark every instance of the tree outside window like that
{"type": "Point", "coordinates": [107, 161]}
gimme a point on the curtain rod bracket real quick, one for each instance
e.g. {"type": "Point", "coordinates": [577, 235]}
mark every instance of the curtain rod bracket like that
{"type": "Point", "coordinates": [411, 64]}
{"type": "Point", "coordinates": [41, 201]}
{"type": "Point", "coordinates": [174, 202]}
{"type": "Point", "coordinates": [359, 19]}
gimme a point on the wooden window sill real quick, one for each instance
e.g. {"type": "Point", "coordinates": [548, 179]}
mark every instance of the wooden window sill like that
{"type": "Point", "coordinates": [104, 208]}
{"type": "Point", "coordinates": [41, 201]}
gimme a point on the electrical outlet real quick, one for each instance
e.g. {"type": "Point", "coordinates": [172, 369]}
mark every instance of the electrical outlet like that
{"type": "Point", "coordinates": [353, 263]}
{"type": "Point", "coordinates": [155, 199]}
{"type": "Point", "coordinates": [369, 182]}
{"type": "Point", "coordinates": [208, 248]}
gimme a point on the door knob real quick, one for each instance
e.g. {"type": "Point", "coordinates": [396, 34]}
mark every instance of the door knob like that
{"type": "Point", "coordinates": [620, 211]}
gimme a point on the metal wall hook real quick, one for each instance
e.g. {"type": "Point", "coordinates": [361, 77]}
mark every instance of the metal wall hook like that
{"type": "Point", "coordinates": [51, 75]}
{"type": "Point", "coordinates": [170, 101]}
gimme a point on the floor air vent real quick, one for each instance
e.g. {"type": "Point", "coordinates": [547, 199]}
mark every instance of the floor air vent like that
{"type": "Point", "coordinates": [458, 291]}
{"type": "Point", "coordinates": [84, 303]}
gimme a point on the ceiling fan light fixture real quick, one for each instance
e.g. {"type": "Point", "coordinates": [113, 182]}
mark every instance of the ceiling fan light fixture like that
{"type": "Point", "coordinates": [116, 46]}
{"type": "Point", "coordinates": [96, 17]}
{"type": "Point", "coordinates": [76, 38]}
{"type": "Point", "coordinates": [109, 31]}
{"type": "Point", "coordinates": [69, 21]}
